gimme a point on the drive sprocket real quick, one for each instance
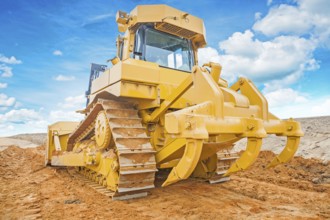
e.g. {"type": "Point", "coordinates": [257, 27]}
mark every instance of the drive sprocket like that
{"type": "Point", "coordinates": [102, 130]}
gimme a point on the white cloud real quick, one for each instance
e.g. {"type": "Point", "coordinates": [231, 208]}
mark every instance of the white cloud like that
{"type": "Point", "coordinates": [284, 97]}
{"type": "Point", "coordinates": [24, 120]}
{"type": "Point", "coordinates": [101, 17]}
{"type": "Point", "coordinates": [206, 55]}
{"type": "Point", "coordinates": [6, 127]}
{"type": "Point", "coordinates": [18, 104]}
{"type": "Point", "coordinates": [269, 2]}
{"type": "Point", "coordinates": [3, 85]}
{"type": "Point", "coordinates": [311, 108]}
{"type": "Point", "coordinates": [98, 19]}
{"type": "Point", "coordinates": [283, 58]}
{"type": "Point", "coordinates": [322, 109]}
{"type": "Point", "coordinates": [308, 17]}
{"type": "Point", "coordinates": [321, 7]}
{"type": "Point", "coordinates": [6, 101]}
{"type": "Point", "coordinates": [9, 60]}
{"type": "Point", "coordinates": [257, 15]}
{"type": "Point", "coordinates": [20, 116]}
{"type": "Point", "coordinates": [5, 71]}
{"type": "Point", "coordinates": [67, 111]}
{"type": "Point", "coordinates": [64, 78]}
{"type": "Point", "coordinates": [60, 115]}
{"type": "Point", "coordinates": [57, 53]}
{"type": "Point", "coordinates": [74, 102]}
{"type": "Point", "coordinates": [285, 19]}
{"type": "Point", "coordinates": [242, 44]}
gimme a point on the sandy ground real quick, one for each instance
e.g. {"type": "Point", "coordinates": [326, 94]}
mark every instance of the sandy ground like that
{"type": "Point", "coordinates": [297, 190]}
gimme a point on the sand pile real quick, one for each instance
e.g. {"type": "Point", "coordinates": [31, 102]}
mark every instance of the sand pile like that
{"type": "Point", "coordinates": [36, 138]}
{"type": "Point", "coordinates": [23, 140]}
{"type": "Point", "coordinates": [6, 142]}
{"type": "Point", "coordinates": [314, 144]}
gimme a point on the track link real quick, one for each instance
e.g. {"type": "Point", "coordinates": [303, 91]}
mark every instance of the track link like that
{"type": "Point", "coordinates": [103, 189]}
{"type": "Point", "coordinates": [225, 159]}
{"type": "Point", "coordinates": [137, 165]}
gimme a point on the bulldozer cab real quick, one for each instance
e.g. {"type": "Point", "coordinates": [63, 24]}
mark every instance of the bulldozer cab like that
{"type": "Point", "coordinates": [160, 34]}
{"type": "Point", "coordinates": [166, 50]}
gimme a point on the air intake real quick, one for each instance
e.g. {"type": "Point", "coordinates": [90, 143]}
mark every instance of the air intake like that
{"type": "Point", "coordinates": [172, 29]}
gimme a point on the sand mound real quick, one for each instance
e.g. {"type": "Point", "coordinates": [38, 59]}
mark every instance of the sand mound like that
{"type": "Point", "coordinates": [23, 140]}
{"type": "Point", "coordinates": [36, 138]}
{"type": "Point", "coordinates": [6, 142]}
{"type": "Point", "coordinates": [314, 144]}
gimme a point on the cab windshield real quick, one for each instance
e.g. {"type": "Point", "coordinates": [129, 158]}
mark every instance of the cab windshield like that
{"type": "Point", "coordinates": [164, 49]}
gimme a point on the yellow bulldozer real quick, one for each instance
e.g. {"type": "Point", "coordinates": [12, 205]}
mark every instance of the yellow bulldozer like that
{"type": "Point", "coordinates": [157, 108]}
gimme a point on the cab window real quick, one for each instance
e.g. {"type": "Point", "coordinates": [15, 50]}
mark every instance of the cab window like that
{"type": "Point", "coordinates": [164, 49]}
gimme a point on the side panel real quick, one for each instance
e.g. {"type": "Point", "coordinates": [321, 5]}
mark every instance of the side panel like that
{"type": "Point", "coordinates": [101, 82]}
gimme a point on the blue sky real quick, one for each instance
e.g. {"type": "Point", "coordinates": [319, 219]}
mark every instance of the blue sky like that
{"type": "Point", "coordinates": [46, 48]}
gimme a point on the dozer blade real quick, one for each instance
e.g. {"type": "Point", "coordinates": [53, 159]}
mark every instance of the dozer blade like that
{"type": "Point", "coordinates": [287, 153]}
{"type": "Point", "coordinates": [187, 163]}
{"type": "Point", "coordinates": [248, 157]}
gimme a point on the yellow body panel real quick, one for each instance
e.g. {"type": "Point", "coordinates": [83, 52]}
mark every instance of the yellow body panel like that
{"type": "Point", "coordinates": [68, 159]}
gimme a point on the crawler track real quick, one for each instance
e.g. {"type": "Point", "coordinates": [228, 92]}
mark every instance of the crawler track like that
{"type": "Point", "coordinates": [134, 153]}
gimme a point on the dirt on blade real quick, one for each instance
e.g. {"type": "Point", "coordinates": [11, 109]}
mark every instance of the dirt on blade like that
{"type": "Point", "coordinates": [299, 189]}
